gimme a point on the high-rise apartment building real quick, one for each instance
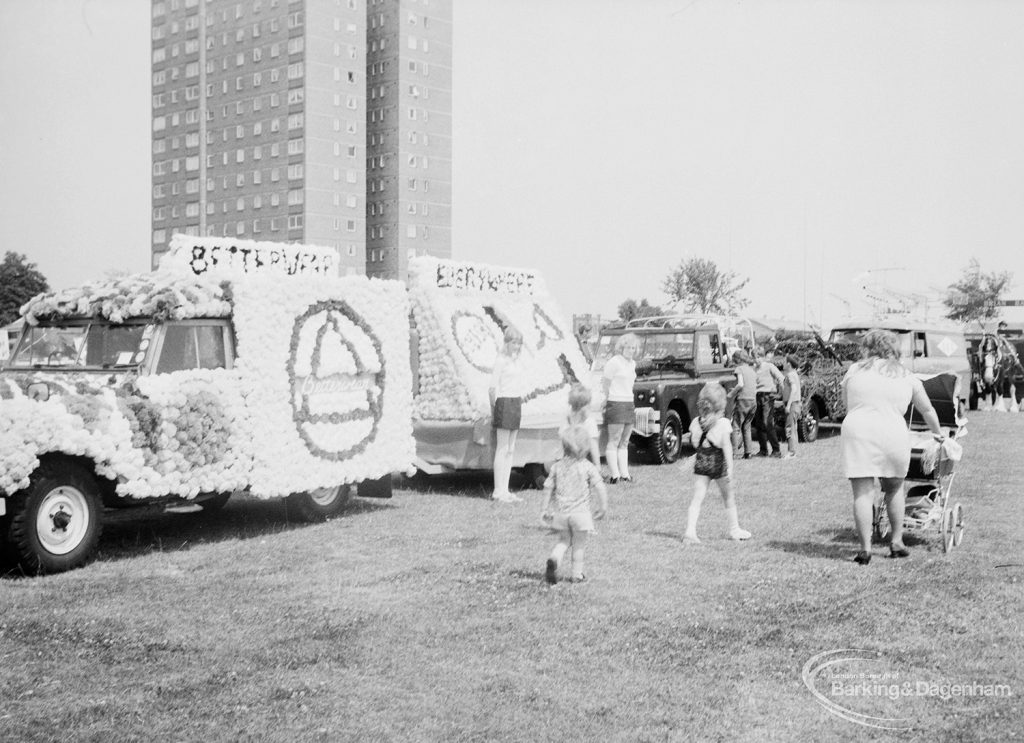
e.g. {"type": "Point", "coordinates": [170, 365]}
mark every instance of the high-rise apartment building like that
{"type": "Point", "coordinates": [409, 132]}
{"type": "Point", "coordinates": [326, 122]}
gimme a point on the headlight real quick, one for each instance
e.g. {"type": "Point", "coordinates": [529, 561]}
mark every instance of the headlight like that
{"type": "Point", "coordinates": [652, 398]}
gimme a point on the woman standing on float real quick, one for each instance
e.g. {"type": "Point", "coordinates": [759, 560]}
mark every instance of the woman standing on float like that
{"type": "Point", "coordinates": [617, 378]}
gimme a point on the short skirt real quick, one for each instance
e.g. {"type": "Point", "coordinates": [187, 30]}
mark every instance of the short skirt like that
{"type": "Point", "coordinates": [508, 413]}
{"type": "Point", "coordinates": [618, 412]}
{"type": "Point", "coordinates": [572, 522]}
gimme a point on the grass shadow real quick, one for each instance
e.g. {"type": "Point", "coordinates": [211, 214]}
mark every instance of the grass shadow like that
{"type": "Point", "coordinates": [137, 531]}
{"type": "Point", "coordinates": [462, 483]}
{"type": "Point", "coordinates": [673, 535]}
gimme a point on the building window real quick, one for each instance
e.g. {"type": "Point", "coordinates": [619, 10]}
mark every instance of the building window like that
{"type": "Point", "coordinates": [296, 146]}
{"type": "Point", "coordinates": [296, 171]}
{"type": "Point", "coordinates": [295, 222]}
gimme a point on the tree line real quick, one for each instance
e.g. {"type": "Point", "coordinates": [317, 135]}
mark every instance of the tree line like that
{"type": "Point", "coordinates": [695, 285]}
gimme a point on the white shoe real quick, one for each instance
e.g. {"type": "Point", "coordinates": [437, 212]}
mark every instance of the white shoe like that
{"type": "Point", "coordinates": [739, 534]}
{"type": "Point", "coordinates": [691, 539]}
{"type": "Point", "coordinates": [504, 497]}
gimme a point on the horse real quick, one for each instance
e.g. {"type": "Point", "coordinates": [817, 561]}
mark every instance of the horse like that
{"type": "Point", "coordinates": [997, 362]}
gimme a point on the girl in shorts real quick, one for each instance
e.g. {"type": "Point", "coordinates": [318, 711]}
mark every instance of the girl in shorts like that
{"type": "Point", "coordinates": [711, 437]}
{"type": "Point", "coordinates": [618, 377]}
{"type": "Point", "coordinates": [566, 506]}
{"type": "Point", "coordinates": [506, 393]}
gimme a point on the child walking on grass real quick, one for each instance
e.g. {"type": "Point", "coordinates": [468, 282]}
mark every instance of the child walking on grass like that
{"type": "Point", "coordinates": [566, 506]}
{"type": "Point", "coordinates": [579, 415]}
{"type": "Point", "coordinates": [711, 436]}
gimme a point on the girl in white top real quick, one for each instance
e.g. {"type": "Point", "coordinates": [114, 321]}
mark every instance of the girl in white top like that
{"type": "Point", "coordinates": [711, 429]}
{"type": "Point", "coordinates": [506, 393]}
{"type": "Point", "coordinates": [618, 377]}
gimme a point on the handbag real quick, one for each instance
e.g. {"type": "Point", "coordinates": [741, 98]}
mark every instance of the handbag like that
{"type": "Point", "coordinates": [709, 461]}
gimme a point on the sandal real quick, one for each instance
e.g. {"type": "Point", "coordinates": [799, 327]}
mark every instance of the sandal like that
{"type": "Point", "coordinates": [899, 552]}
{"type": "Point", "coordinates": [862, 558]}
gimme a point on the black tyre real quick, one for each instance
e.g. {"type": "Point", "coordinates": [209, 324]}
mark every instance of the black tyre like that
{"type": "Point", "coordinates": [669, 443]}
{"type": "Point", "coordinates": [809, 424]}
{"type": "Point", "coordinates": [319, 504]}
{"type": "Point", "coordinates": [55, 524]}
{"type": "Point", "coordinates": [535, 475]}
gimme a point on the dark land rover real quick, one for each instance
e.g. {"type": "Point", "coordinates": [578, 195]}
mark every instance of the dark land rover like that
{"type": "Point", "coordinates": [678, 354]}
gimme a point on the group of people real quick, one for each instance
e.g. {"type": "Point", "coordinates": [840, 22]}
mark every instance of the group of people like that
{"type": "Point", "coordinates": [875, 440]}
{"type": "Point", "coordinates": [759, 383]}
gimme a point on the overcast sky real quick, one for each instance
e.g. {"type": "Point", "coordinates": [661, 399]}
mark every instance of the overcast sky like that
{"type": "Point", "coordinates": [810, 146]}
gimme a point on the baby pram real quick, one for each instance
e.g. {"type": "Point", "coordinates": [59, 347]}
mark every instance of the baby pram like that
{"type": "Point", "coordinates": [932, 468]}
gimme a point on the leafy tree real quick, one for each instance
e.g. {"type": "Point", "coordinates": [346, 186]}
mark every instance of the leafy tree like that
{"type": "Point", "coordinates": [19, 282]}
{"type": "Point", "coordinates": [699, 285]}
{"type": "Point", "coordinates": [975, 297]}
{"type": "Point", "coordinates": [631, 310]}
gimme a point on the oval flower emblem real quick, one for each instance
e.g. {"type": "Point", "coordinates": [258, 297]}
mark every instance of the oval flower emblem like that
{"type": "Point", "coordinates": [336, 370]}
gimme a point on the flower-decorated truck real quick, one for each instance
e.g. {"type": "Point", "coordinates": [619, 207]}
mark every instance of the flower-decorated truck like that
{"type": "Point", "coordinates": [235, 366]}
{"type": "Point", "coordinates": [459, 315]}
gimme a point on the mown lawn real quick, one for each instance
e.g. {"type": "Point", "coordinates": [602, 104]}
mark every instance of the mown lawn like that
{"type": "Point", "coordinates": [426, 618]}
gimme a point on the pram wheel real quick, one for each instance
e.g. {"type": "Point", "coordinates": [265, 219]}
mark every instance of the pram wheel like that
{"type": "Point", "coordinates": [948, 529]}
{"type": "Point", "coordinates": [881, 524]}
{"type": "Point", "coordinates": [958, 525]}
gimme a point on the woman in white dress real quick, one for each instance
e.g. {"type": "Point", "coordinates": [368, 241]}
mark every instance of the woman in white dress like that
{"type": "Point", "coordinates": [875, 436]}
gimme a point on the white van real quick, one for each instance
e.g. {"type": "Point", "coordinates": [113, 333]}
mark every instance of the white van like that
{"type": "Point", "coordinates": [927, 347]}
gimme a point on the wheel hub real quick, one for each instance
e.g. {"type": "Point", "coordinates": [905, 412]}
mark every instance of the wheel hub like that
{"type": "Point", "coordinates": [62, 521]}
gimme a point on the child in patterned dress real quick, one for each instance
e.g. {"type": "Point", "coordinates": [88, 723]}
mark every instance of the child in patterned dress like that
{"type": "Point", "coordinates": [566, 506]}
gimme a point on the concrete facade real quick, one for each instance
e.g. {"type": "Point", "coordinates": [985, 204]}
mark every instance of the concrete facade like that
{"type": "Point", "coordinates": [301, 121]}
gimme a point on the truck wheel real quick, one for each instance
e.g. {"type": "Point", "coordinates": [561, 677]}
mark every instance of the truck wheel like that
{"type": "Point", "coordinates": [669, 443]}
{"type": "Point", "coordinates": [55, 524]}
{"type": "Point", "coordinates": [319, 504]}
{"type": "Point", "coordinates": [809, 424]}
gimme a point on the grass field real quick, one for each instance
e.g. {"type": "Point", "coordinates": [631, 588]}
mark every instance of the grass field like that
{"type": "Point", "coordinates": [426, 618]}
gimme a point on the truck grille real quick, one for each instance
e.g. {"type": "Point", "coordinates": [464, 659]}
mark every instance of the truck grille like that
{"type": "Point", "coordinates": [645, 421]}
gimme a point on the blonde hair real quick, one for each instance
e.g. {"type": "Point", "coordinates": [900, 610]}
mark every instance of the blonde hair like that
{"type": "Point", "coordinates": [881, 345]}
{"type": "Point", "coordinates": [579, 397]}
{"type": "Point", "coordinates": [576, 441]}
{"type": "Point", "coordinates": [710, 403]}
{"type": "Point", "coordinates": [627, 339]}
{"type": "Point", "coordinates": [511, 334]}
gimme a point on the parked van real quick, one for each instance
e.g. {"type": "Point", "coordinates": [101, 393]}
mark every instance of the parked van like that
{"type": "Point", "coordinates": [927, 347]}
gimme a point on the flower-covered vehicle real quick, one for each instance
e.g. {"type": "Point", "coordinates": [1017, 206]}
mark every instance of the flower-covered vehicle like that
{"type": "Point", "coordinates": [241, 366]}
{"type": "Point", "coordinates": [459, 314]}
